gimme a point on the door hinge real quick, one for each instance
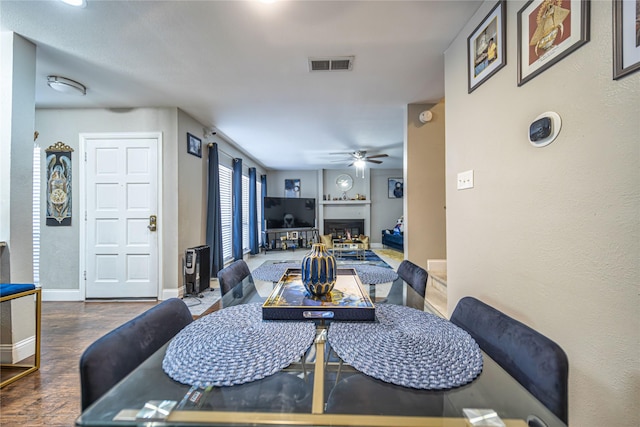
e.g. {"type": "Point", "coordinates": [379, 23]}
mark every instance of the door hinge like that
{"type": "Point", "coordinates": [85, 275]}
{"type": "Point", "coordinates": [85, 215]}
{"type": "Point", "coordinates": [85, 156]}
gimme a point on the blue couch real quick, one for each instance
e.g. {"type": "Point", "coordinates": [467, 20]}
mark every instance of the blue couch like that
{"type": "Point", "coordinates": [395, 241]}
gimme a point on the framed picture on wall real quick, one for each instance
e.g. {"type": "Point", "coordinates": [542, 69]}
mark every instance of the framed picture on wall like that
{"type": "Point", "coordinates": [549, 31]}
{"type": "Point", "coordinates": [292, 188]}
{"type": "Point", "coordinates": [396, 188]}
{"type": "Point", "coordinates": [487, 46]}
{"type": "Point", "coordinates": [626, 37]}
{"type": "Point", "coordinates": [194, 145]}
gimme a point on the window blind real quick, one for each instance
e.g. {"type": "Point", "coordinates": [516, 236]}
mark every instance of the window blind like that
{"type": "Point", "coordinates": [226, 211]}
{"type": "Point", "coordinates": [246, 243]}
{"type": "Point", "coordinates": [35, 212]}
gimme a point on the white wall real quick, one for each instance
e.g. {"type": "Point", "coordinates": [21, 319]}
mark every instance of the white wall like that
{"type": "Point", "coordinates": [59, 268]}
{"type": "Point", "coordinates": [551, 236]}
{"type": "Point", "coordinates": [18, 59]}
{"type": "Point", "coordinates": [308, 183]}
{"type": "Point", "coordinates": [384, 211]}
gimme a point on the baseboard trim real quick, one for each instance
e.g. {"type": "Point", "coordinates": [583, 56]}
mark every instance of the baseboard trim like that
{"type": "Point", "coordinates": [14, 353]}
{"type": "Point", "coordinates": [61, 295]}
{"type": "Point", "coordinates": [74, 294]}
{"type": "Point", "coordinates": [170, 293]}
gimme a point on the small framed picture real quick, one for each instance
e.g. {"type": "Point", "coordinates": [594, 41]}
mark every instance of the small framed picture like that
{"type": "Point", "coordinates": [396, 188]}
{"type": "Point", "coordinates": [292, 188]}
{"type": "Point", "coordinates": [292, 235]}
{"type": "Point", "coordinates": [487, 46]}
{"type": "Point", "coordinates": [194, 145]}
{"type": "Point", "coordinates": [626, 37]}
{"type": "Point", "coordinates": [549, 31]}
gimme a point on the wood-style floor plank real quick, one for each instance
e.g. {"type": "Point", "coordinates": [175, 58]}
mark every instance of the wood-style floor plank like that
{"type": "Point", "coordinates": [51, 395]}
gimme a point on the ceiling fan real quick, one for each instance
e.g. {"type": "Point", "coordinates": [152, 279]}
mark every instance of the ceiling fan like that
{"type": "Point", "coordinates": [360, 156]}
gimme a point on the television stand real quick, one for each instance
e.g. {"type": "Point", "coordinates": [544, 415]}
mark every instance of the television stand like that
{"type": "Point", "coordinates": [289, 238]}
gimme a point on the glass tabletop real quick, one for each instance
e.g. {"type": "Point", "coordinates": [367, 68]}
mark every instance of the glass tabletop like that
{"type": "Point", "coordinates": [319, 389]}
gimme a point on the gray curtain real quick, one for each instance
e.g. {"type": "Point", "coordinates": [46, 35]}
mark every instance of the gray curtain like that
{"type": "Point", "coordinates": [214, 217]}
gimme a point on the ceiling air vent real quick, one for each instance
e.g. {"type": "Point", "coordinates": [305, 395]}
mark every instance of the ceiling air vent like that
{"type": "Point", "coordinates": [340, 63]}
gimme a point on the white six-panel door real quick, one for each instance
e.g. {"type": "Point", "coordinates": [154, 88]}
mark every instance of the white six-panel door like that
{"type": "Point", "coordinates": [121, 176]}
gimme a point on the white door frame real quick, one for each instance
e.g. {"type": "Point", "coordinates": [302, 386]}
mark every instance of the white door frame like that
{"type": "Point", "coordinates": [83, 201]}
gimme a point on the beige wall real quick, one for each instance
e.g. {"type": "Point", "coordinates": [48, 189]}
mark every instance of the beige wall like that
{"type": "Point", "coordinates": [425, 221]}
{"type": "Point", "coordinates": [551, 236]}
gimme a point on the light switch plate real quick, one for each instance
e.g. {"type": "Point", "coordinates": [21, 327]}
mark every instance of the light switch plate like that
{"type": "Point", "coordinates": [465, 180]}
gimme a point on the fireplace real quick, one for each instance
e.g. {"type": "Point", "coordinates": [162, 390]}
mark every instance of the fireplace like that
{"type": "Point", "coordinates": [338, 227]}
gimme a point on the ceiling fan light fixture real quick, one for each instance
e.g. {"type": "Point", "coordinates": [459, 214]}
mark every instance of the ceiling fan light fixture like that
{"type": "Point", "coordinates": [64, 85]}
{"type": "Point", "coordinates": [360, 165]}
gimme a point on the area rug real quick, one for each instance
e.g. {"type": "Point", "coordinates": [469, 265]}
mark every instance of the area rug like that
{"type": "Point", "coordinates": [370, 257]}
{"type": "Point", "coordinates": [393, 254]}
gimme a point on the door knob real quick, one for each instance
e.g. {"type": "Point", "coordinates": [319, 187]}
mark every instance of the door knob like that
{"type": "Point", "coordinates": [153, 220]}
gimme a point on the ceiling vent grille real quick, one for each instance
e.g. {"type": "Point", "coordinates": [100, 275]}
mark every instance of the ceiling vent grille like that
{"type": "Point", "coordinates": [340, 63]}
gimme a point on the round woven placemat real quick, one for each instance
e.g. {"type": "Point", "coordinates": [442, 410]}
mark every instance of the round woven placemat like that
{"type": "Point", "coordinates": [408, 347]}
{"type": "Point", "coordinates": [235, 346]}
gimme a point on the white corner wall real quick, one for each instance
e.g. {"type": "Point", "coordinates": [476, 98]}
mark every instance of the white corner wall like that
{"type": "Point", "coordinates": [551, 236]}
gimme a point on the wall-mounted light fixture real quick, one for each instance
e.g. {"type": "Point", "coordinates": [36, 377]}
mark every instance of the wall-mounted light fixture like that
{"type": "Point", "coordinates": [62, 84]}
{"type": "Point", "coordinates": [426, 116]}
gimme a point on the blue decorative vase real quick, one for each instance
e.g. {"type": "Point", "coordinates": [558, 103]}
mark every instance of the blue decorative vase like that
{"type": "Point", "coordinates": [318, 270]}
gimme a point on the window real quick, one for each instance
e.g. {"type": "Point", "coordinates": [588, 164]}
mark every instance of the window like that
{"type": "Point", "coordinates": [35, 211]}
{"type": "Point", "coordinates": [226, 211]}
{"type": "Point", "coordinates": [246, 242]}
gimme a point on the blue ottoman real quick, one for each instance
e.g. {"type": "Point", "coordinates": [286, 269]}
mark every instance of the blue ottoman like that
{"type": "Point", "coordinates": [11, 291]}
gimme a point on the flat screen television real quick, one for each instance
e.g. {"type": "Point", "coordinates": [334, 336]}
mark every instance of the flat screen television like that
{"type": "Point", "coordinates": [285, 212]}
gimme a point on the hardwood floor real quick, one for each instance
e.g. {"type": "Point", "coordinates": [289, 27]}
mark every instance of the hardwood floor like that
{"type": "Point", "coordinates": [51, 395]}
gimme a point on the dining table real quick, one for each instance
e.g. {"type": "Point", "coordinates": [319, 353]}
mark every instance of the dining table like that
{"type": "Point", "coordinates": [408, 367]}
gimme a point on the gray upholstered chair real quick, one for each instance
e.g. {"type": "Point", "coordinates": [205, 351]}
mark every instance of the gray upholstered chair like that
{"type": "Point", "coordinates": [535, 361]}
{"type": "Point", "coordinates": [112, 357]}
{"type": "Point", "coordinates": [414, 275]}
{"type": "Point", "coordinates": [232, 274]}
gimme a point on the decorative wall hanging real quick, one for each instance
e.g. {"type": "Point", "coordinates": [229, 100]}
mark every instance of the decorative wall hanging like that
{"type": "Point", "coordinates": [548, 31]}
{"type": "Point", "coordinates": [626, 37]}
{"type": "Point", "coordinates": [487, 46]}
{"type": "Point", "coordinates": [194, 145]}
{"type": "Point", "coordinates": [59, 184]}
{"type": "Point", "coordinates": [292, 188]}
{"type": "Point", "coordinates": [396, 188]}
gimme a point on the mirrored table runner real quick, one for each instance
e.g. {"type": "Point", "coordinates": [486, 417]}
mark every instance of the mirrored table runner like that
{"type": "Point", "coordinates": [312, 391]}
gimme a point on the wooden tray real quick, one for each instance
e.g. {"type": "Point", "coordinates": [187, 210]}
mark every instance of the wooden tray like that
{"type": "Point", "coordinates": [289, 300]}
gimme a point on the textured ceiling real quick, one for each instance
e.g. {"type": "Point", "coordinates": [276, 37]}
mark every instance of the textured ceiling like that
{"type": "Point", "coordinates": [242, 67]}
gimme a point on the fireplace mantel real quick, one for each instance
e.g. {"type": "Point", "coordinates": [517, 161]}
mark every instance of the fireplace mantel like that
{"type": "Point", "coordinates": [345, 202]}
{"type": "Point", "coordinates": [337, 209]}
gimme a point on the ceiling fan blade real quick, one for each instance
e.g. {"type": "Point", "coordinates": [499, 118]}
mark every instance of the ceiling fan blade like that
{"type": "Point", "coordinates": [339, 161]}
{"type": "Point", "coordinates": [373, 161]}
{"type": "Point", "coordinates": [351, 164]}
{"type": "Point", "coordinates": [377, 155]}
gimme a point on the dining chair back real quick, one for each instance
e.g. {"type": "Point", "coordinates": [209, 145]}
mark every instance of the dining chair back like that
{"type": "Point", "coordinates": [112, 357]}
{"type": "Point", "coordinates": [535, 361]}
{"type": "Point", "coordinates": [414, 275]}
{"type": "Point", "coordinates": [232, 274]}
